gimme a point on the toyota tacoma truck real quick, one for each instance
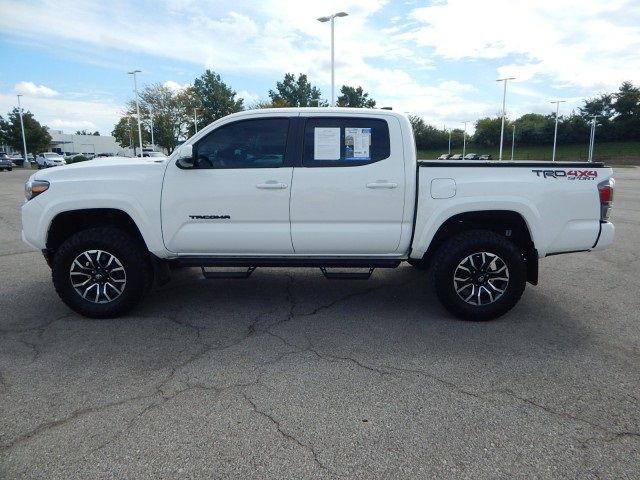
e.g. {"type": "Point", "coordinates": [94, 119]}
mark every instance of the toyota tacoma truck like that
{"type": "Point", "coordinates": [335, 188]}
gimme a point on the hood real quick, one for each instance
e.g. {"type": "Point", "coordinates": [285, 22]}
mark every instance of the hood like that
{"type": "Point", "coordinates": [106, 167]}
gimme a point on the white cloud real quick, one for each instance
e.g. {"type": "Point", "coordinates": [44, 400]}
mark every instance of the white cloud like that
{"type": "Point", "coordinates": [175, 86]}
{"type": "Point", "coordinates": [33, 90]}
{"type": "Point", "coordinates": [547, 44]}
{"type": "Point", "coordinates": [572, 42]}
{"type": "Point", "coordinates": [68, 125]}
{"type": "Point", "coordinates": [68, 115]}
{"type": "Point", "coordinates": [249, 98]}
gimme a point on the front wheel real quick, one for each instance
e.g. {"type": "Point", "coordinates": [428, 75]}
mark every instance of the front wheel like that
{"type": "Point", "coordinates": [479, 275]}
{"type": "Point", "coordinates": [101, 272]}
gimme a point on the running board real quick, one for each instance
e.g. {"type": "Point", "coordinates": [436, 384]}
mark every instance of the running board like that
{"type": "Point", "coordinates": [227, 275]}
{"type": "Point", "coordinates": [346, 275]}
{"type": "Point", "coordinates": [308, 262]}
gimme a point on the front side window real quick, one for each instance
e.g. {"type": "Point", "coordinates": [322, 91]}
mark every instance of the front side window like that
{"type": "Point", "coordinates": [345, 141]}
{"type": "Point", "coordinates": [259, 143]}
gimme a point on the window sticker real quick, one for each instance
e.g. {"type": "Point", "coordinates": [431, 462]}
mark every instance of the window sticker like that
{"type": "Point", "coordinates": [357, 143]}
{"type": "Point", "coordinates": [326, 143]}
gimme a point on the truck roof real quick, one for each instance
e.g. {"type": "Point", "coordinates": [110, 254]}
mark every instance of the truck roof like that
{"type": "Point", "coordinates": [323, 110]}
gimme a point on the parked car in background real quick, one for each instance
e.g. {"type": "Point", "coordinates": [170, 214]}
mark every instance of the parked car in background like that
{"type": "Point", "coordinates": [5, 162]}
{"type": "Point", "coordinates": [154, 154]}
{"type": "Point", "coordinates": [486, 156]}
{"type": "Point", "coordinates": [471, 156]}
{"type": "Point", "coordinates": [444, 156]}
{"type": "Point", "coordinates": [457, 156]}
{"type": "Point", "coordinates": [17, 159]}
{"type": "Point", "coordinates": [50, 159]}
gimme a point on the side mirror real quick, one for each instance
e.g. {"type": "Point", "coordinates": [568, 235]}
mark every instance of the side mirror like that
{"type": "Point", "coordinates": [185, 157]}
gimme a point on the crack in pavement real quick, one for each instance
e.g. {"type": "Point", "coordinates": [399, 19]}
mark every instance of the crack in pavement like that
{"type": "Point", "coordinates": [288, 436]}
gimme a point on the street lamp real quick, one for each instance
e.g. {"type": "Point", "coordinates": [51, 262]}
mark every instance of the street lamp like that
{"type": "Point", "coordinates": [592, 140]}
{"type": "Point", "coordinates": [513, 141]}
{"type": "Point", "coordinates": [555, 132]}
{"type": "Point", "coordinates": [26, 163]}
{"type": "Point", "coordinates": [135, 89]}
{"type": "Point", "coordinates": [153, 144]}
{"type": "Point", "coordinates": [464, 138]}
{"type": "Point", "coordinates": [504, 100]}
{"type": "Point", "coordinates": [326, 19]}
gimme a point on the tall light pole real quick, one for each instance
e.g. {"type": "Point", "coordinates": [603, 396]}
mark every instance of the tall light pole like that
{"type": "Point", "coordinates": [130, 136]}
{"type": "Point", "coordinates": [449, 141]}
{"type": "Point", "coordinates": [513, 141]}
{"type": "Point", "coordinates": [555, 132]}
{"type": "Point", "coordinates": [195, 120]}
{"type": "Point", "coordinates": [592, 140]}
{"type": "Point", "coordinates": [26, 163]}
{"type": "Point", "coordinates": [332, 19]}
{"type": "Point", "coordinates": [135, 89]}
{"type": "Point", "coordinates": [464, 139]}
{"type": "Point", "coordinates": [504, 102]}
{"type": "Point", "coordinates": [153, 144]}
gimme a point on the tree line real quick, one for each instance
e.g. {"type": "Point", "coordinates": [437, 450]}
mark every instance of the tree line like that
{"type": "Point", "coordinates": [175, 114]}
{"type": "Point", "coordinates": [617, 116]}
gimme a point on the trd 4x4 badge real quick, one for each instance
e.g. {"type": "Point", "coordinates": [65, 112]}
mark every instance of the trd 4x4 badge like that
{"type": "Point", "coordinates": [568, 174]}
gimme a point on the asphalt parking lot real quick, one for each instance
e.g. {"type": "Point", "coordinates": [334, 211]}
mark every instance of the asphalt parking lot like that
{"type": "Point", "coordinates": [289, 375]}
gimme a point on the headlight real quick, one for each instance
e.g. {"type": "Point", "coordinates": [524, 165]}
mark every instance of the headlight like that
{"type": "Point", "coordinates": [34, 188]}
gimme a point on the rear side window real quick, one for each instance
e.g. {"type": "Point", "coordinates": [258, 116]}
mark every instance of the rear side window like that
{"type": "Point", "coordinates": [259, 143]}
{"type": "Point", "coordinates": [345, 142]}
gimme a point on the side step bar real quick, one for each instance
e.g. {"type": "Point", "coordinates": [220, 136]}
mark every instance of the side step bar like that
{"type": "Point", "coordinates": [346, 275]}
{"type": "Point", "coordinates": [227, 275]}
{"type": "Point", "coordinates": [306, 262]}
{"type": "Point", "coordinates": [251, 263]}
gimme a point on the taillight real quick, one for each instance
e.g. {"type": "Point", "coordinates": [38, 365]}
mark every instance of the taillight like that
{"type": "Point", "coordinates": [605, 190]}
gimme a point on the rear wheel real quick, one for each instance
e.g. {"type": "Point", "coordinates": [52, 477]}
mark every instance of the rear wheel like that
{"type": "Point", "coordinates": [479, 275]}
{"type": "Point", "coordinates": [101, 272]}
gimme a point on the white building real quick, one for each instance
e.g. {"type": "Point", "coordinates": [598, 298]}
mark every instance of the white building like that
{"type": "Point", "coordinates": [90, 145]}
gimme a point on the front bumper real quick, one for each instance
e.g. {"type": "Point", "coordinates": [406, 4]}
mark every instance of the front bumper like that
{"type": "Point", "coordinates": [34, 233]}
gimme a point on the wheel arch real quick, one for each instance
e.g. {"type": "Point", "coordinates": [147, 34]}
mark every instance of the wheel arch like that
{"type": "Point", "coordinates": [67, 223]}
{"type": "Point", "coordinates": [508, 223]}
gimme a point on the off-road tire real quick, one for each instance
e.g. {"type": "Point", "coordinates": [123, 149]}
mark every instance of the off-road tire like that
{"type": "Point", "coordinates": [130, 252]}
{"type": "Point", "coordinates": [460, 246]}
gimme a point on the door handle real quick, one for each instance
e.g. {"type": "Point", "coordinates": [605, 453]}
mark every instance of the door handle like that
{"type": "Point", "coordinates": [272, 185]}
{"type": "Point", "coordinates": [382, 184]}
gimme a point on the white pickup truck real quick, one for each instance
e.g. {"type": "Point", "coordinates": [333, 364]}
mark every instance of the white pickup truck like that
{"type": "Point", "coordinates": [334, 188]}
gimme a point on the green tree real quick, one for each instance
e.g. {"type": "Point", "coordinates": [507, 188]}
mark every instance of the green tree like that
{"type": "Point", "coordinates": [126, 133]}
{"type": "Point", "coordinates": [3, 131]}
{"type": "Point", "coordinates": [427, 136]}
{"type": "Point", "coordinates": [268, 104]}
{"type": "Point", "coordinates": [487, 132]}
{"type": "Point", "coordinates": [294, 92]}
{"type": "Point", "coordinates": [355, 97]}
{"type": "Point", "coordinates": [36, 135]}
{"type": "Point", "coordinates": [535, 129]}
{"type": "Point", "coordinates": [213, 98]}
{"type": "Point", "coordinates": [170, 110]}
{"type": "Point", "coordinates": [627, 107]}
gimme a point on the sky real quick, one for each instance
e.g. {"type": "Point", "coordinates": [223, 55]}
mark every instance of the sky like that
{"type": "Point", "coordinates": [436, 59]}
